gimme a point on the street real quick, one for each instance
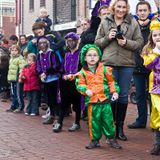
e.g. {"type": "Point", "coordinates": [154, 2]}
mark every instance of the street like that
{"type": "Point", "coordinates": [25, 138]}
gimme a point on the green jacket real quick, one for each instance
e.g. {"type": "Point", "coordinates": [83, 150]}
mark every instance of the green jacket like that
{"type": "Point", "coordinates": [114, 54]}
{"type": "Point", "coordinates": [15, 66]}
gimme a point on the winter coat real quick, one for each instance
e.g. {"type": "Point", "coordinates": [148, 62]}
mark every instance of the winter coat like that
{"type": "Point", "coordinates": [47, 21]}
{"type": "Point", "coordinates": [15, 66]}
{"type": "Point", "coordinates": [101, 83]}
{"type": "Point", "coordinates": [114, 54]}
{"type": "Point", "coordinates": [151, 62]}
{"type": "Point", "coordinates": [57, 43]}
{"type": "Point", "coordinates": [30, 78]}
{"type": "Point", "coordinates": [48, 63]}
{"type": "Point", "coordinates": [138, 59]}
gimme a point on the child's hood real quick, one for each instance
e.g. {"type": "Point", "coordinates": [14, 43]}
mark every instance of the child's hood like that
{"type": "Point", "coordinates": [85, 49]}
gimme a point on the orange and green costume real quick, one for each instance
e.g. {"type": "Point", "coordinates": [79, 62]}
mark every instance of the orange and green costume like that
{"type": "Point", "coordinates": [102, 84]}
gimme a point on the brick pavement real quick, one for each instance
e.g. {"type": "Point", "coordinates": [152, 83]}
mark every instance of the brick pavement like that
{"type": "Point", "coordinates": [25, 138]}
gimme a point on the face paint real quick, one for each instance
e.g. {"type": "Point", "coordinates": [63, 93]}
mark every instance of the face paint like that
{"type": "Point", "coordinates": [43, 45]}
{"type": "Point", "coordinates": [72, 44]}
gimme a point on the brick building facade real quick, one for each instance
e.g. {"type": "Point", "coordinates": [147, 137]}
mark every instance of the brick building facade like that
{"type": "Point", "coordinates": [7, 18]}
{"type": "Point", "coordinates": [29, 13]}
{"type": "Point", "coordinates": [64, 14]}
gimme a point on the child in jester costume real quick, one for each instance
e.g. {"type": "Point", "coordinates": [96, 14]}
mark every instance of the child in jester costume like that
{"type": "Point", "coordinates": [96, 82]}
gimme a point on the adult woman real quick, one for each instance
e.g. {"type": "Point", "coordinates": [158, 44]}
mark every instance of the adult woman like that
{"type": "Point", "coordinates": [22, 43]}
{"type": "Point", "coordinates": [119, 36]}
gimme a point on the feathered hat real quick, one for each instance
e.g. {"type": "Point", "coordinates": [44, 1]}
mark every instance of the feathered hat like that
{"type": "Point", "coordinates": [72, 35]}
{"type": "Point", "coordinates": [85, 49]}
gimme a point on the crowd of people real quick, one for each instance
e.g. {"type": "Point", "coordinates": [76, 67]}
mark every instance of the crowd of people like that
{"type": "Point", "coordinates": [88, 73]}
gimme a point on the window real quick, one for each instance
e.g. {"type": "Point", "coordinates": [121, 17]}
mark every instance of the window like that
{"type": "Point", "coordinates": [73, 10]}
{"type": "Point", "coordinates": [31, 5]}
{"type": "Point", "coordinates": [42, 3]}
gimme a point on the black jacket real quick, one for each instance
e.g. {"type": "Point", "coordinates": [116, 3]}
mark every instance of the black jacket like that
{"type": "Point", "coordinates": [138, 59]}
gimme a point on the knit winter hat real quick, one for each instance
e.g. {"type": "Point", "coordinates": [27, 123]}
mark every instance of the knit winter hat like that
{"type": "Point", "coordinates": [72, 35]}
{"type": "Point", "coordinates": [85, 49]}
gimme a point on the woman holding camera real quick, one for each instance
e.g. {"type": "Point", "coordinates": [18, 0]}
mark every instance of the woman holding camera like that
{"type": "Point", "coordinates": [119, 36]}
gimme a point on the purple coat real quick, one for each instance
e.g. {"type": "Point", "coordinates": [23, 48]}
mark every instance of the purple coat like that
{"type": "Point", "coordinates": [48, 63]}
{"type": "Point", "coordinates": [71, 63]}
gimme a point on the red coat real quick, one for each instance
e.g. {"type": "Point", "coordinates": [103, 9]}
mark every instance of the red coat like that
{"type": "Point", "coordinates": [30, 78]}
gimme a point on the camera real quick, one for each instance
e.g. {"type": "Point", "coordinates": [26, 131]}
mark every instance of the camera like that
{"type": "Point", "coordinates": [119, 35]}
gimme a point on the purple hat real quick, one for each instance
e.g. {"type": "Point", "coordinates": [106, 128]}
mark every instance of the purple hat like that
{"type": "Point", "coordinates": [72, 35]}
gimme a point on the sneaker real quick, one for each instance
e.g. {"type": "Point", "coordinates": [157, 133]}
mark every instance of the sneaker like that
{"type": "Point", "coordinates": [32, 114]}
{"type": "Point", "coordinates": [84, 117]}
{"type": "Point", "coordinates": [47, 114]}
{"type": "Point", "coordinates": [93, 144]}
{"type": "Point", "coordinates": [18, 110]}
{"type": "Point", "coordinates": [156, 150]}
{"type": "Point", "coordinates": [27, 114]}
{"type": "Point", "coordinates": [57, 127]}
{"type": "Point", "coordinates": [48, 120]}
{"type": "Point", "coordinates": [113, 143]}
{"type": "Point", "coordinates": [74, 127]}
{"type": "Point", "coordinates": [9, 110]}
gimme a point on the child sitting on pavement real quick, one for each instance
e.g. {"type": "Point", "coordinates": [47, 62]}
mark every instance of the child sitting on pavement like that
{"type": "Point", "coordinates": [96, 82]}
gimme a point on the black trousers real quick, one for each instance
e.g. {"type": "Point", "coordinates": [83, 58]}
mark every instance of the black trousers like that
{"type": "Point", "coordinates": [51, 91]}
{"type": "Point", "coordinates": [69, 95]}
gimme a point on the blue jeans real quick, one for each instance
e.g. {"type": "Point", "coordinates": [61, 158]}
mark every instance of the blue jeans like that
{"type": "Point", "coordinates": [14, 103]}
{"type": "Point", "coordinates": [20, 96]}
{"type": "Point", "coordinates": [140, 81]}
{"type": "Point", "coordinates": [123, 76]}
{"type": "Point", "coordinates": [33, 102]}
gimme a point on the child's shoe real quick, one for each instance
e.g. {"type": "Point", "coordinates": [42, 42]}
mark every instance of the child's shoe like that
{"type": "Point", "coordinates": [57, 127]}
{"type": "Point", "coordinates": [32, 114]}
{"type": "Point", "coordinates": [156, 150]}
{"type": "Point", "coordinates": [18, 110]}
{"type": "Point", "coordinates": [113, 143]}
{"type": "Point", "coordinates": [47, 114]}
{"type": "Point", "coordinates": [10, 110]}
{"type": "Point", "coordinates": [74, 127]}
{"type": "Point", "coordinates": [93, 144]}
{"type": "Point", "coordinates": [48, 120]}
{"type": "Point", "coordinates": [27, 114]}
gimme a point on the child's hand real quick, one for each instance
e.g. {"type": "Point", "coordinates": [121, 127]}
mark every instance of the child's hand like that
{"type": "Point", "coordinates": [65, 77]}
{"type": "Point", "coordinates": [89, 93]}
{"type": "Point", "coordinates": [23, 77]}
{"type": "Point", "coordinates": [19, 80]}
{"type": "Point", "coordinates": [115, 96]}
{"type": "Point", "coordinates": [42, 76]}
{"type": "Point", "coordinates": [69, 77]}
